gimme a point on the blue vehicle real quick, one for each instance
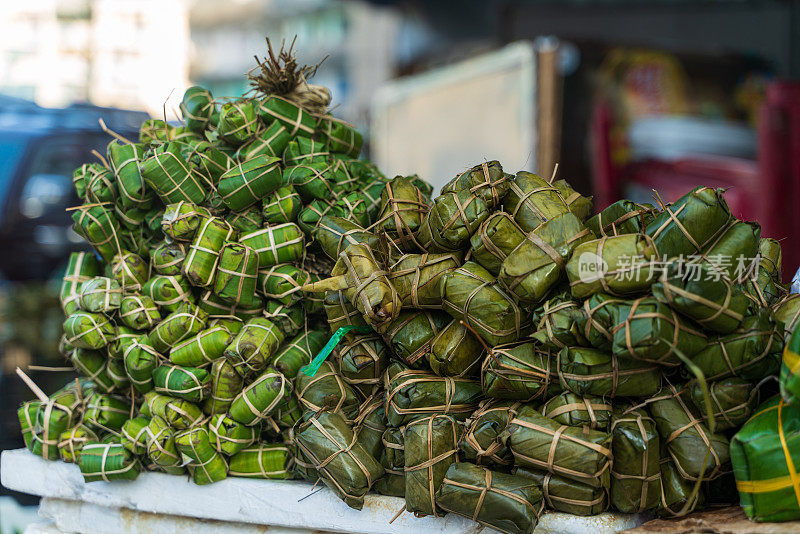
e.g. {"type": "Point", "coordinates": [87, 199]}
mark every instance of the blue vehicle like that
{"type": "Point", "coordinates": [39, 149]}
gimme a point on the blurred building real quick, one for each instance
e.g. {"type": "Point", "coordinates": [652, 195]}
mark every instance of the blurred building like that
{"type": "Point", "coordinates": [120, 53]}
{"type": "Point", "coordinates": [358, 41]}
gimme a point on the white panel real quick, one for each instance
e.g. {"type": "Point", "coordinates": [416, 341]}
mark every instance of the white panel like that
{"type": "Point", "coordinates": [441, 122]}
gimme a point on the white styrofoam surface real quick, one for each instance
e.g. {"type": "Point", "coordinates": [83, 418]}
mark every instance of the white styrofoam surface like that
{"type": "Point", "coordinates": [284, 503]}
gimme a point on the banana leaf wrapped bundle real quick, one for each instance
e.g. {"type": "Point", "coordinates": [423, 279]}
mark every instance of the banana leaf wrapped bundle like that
{"type": "Point", "coordinates": [226, 383]}
{"type": "Point", "coordinates": [787, 310]}
{"type": "Point", "coordinates": [767, 280]}
{"type": "Point", "coordinates": [691, 223]}
{"type": "Point", "coordinates": [302, 150]}
{"type": "Point", "coordinates": [329, 444]}
{"type": "Point", "coordinates": [393, 483]}
{"type": "Point", "coordinates": [161, 448]}
{"type": "Point", "coordinates": [107, 462]}
{"type": "Point", "coordinates": [270, 142]}
{"type": "Point", "coordinates": [246, 221]}
{"type": "Point", "coordinates": [621, 217]}
{"type": "Point", "coordinates": [482, 441]}
{"type": "Point", "coordinates": [100, 228]}
{"type": "Point", "coordinates": [732, 401]}
{"type": "Point", "coordinates": [138, 312]}
{"type": "Point", "coordinates": [101, 187]}
{"type": "Point", "coordinates": [168, 173]}
{"type": "Point", "coordinates": [184, 322]}
{"type": "Point", "coordinates": [411, 393]}
{"type": "Point", "coordinates": [203, 348]}
{"type": "Point", "coordinates": [81, 267]}
{"type": "Point", "coordinates": [570, 409]}
{"type": "Point", "coordinates": [81, 176]}
{"type": "Point", "coordinates": [566, 495]}
{"type": "Point", "coordinates": [558, 323]}
{"type": "Point", "coordinates": [471, 293]}
{"type": "Point", "coordinates": [352, 207]}
{"type": "Point", "coordinates": [790, 369]}
{"type": "Point", "coordinates": [403, 207]}
{"type": "Point", "coordinates": [764, 454]}
{"type": "Point", "coordinates": [86, 330]}
{"type": "Point", "coordinates": [734, 251]}
{"type": "Point", "coordinates": [495, 239]}
{"type": "Point", "coordinates": [277, 244]}
{"type": "Point", "coordinates": [676, 497]}
{"type": "Point", "coordinates": [263, 460]}
{"type": "Point", "coordinates": [538, 262]}
{"type": "Point", "coordinates": [651, 331]}
{"type": "Point", "coordinates": [283, 283]}
{"type": "Point", "coordinates": [59, 413]}
{"type": "Point", "coordinates": [340, 312]}
{"type": "Point", "coordinates": [293, 117]}
{"type": "Point", "coordinates": [575, 453]}
{"type": "Point", "coordinates": [284, 416]}
{"type": "Point", "coordinates": [230, 323]}
{"type": "Point", "coordinates": [370, 424]}
{"type": "Point", "coordinates": [417, 278]}
{"type": "Point", "coordinates": [455, 350]}
{"type": "Point", "coordinates": [302, 468]}
{"type": "Point", "coordinates": [177, 413]}
{"type": "Point", "coordinates": [248, 182]}
{"type": "Point", "coordinates": [196, 107]}
{"type": "Point", "coordinates": [205, 464]}
{"type": "Point", "coordinates": [334, 234]}
{"type": "Point", "coordinates": [237, 274]}
{"type": "Point", "coordinates": [327, 390]}
{"type": "Point", "coordinates": [451, 221]}
{"type": "Point", "coordinates": [340, 136]}
{"type": "Point", "coordinates": [695, 451]}
{"type": "Point", "coordinates": [257, 401]}
{"type": "Point", "coordinates": [141, 360]}
{"type": "Point", "coordinates": [519, 371]}
{"type": "Point", "coordinates": [106, 412]}
{"type": "Point", "coordinates": [532, 200]}
{"type": "Point", "coordinates": [252, 348]}
{"type": "Point", "coordinates": [209, 161]}
{"type": "Point", "coordinates": [487, 180]}
{"type": "Point", "coordinates": [636, 471]}
{"type": "Point", "coordinates": [507, 503]}
{"type": "Point", "coordinates": [430, 448]}
{"type": "Point", "coordinates": [412, 333]}
{"type": "Point", "coordinates": [237, 122]}
{"type": "Point", "coordinates": [26, 414]}
{"type": "Point", "coordinates": [72, 441]}
{"type": "Point", "coordinates": [281, 206]}
{"type": "Point", "coordinates": [298, 352]}
{"type": "Point", "coordinates": [313, 181]}
{"type": "Point", "coordinates": [228, 436]}
{"type": "Point", "coordinates": [288, 319]}
{"type": "Point", "coordinates": [751, 352]}
{"type": "Point", "coordinates": [123, 338]}
{"type": "Point", "coordinates": [587, 371]}
{"type": "Point", "coordinates": [134, 434]}
{"type": "Point", "coordinates": [365, 284]}
{"type": "Point", "coordinates": [181, 220]}
{"type": "Point", "coordinates": [168, 292]}
{"type": "Point", "coordinates": [579, 205]}
{"type": "Point", "coordinates": [217, 309]}
{"type": "Point", "coordinates": [100, 295]}
{"type": "Point", "coordinates": [201, 262]}
{"type": "Point", "coordinates": [600, 316]}
{"type": "Point", "coordinates": [362, 360]}
{"type": "Point", "coordinates": [115, 370]}
{"type": "Point", "coordinates": [310, 216]}
{"type": "Point", "coordinates": [187, 383]}
{"type": "Point", "coordinates": [618, 265]}
{"type": "Point", "coordinates": [372, 189]}
{"type": "Point", "coordinates": [701, 294]}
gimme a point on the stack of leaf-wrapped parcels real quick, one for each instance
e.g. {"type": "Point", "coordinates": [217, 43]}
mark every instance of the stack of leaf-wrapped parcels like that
{"type": "Point", "coordinates": [262, 304]}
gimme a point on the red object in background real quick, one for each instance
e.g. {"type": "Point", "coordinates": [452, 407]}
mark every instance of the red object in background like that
{"type": "Point", "coordinates": [764, 190]}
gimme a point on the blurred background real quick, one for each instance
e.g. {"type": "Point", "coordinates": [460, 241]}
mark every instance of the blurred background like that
{"type": "Point", "coordinates": [620, 96]}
